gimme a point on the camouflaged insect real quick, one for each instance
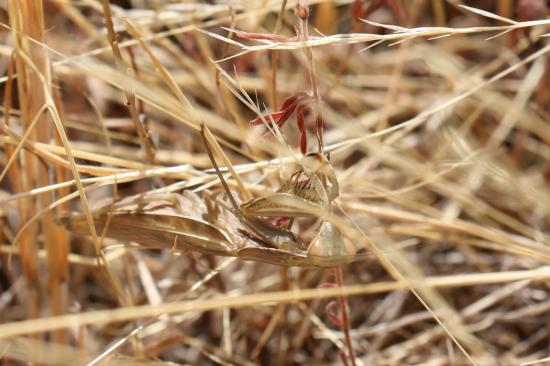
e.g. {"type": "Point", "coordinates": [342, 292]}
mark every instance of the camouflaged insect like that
{"type": "Point", "coordinates": [188, 221]}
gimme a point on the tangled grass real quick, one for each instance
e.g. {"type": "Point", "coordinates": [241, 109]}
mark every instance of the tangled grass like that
{"type": "Point", "coordinates": [436, 118]}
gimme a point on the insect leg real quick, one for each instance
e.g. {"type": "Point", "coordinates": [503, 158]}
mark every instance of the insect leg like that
{"type": "Point", "coordinates": [206, 140]}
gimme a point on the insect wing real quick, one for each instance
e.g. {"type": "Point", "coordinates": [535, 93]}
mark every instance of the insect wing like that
{"type": "Point", "coordinates": [159, 231]}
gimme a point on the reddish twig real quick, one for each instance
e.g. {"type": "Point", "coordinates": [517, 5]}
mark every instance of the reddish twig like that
{"type": "Point", "coordinates": [263, 36]}
{"type": "Point", "coordinates": [344, 314]}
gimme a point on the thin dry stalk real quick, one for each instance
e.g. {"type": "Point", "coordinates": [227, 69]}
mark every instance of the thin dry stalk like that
{"type": "Point", "coordinates": [145, 138]}
{"type": "Point", "coordinates": [440, 147]}
{"type": "Point", "coordinates": [28, 20]}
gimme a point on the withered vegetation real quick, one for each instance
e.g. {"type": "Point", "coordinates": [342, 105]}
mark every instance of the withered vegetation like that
{"type": "Point", "coordinates": [303, 182]}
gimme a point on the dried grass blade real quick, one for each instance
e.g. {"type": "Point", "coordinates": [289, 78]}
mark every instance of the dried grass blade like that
{"type": "Point", "coordinates": [487, 14]}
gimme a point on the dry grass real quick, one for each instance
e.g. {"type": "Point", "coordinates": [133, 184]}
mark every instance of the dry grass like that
{"type": "Point", "coordinates": [437, 119]}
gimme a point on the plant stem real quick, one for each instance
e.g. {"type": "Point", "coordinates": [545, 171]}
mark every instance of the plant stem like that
{"type": "Point", "coordinates": [344, 314]}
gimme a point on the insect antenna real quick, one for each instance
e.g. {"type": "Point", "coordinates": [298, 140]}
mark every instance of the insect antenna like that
{"type": "Point", "coordinates": [236, 206]}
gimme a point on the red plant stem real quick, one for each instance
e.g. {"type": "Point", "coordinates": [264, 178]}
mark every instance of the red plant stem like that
{"type": "Point", "coordinates": [303, 15]}
{"type": "Point", "coordinates": [259, 120]}
{"type": "Point", "coordinates": [342, 355]}
{"type": "Point", "coordinates": [320, 124]}
{"type": "Point", "coordinates": [300, 120]}
{"type": "Point", "coordinates": [343, 300]}
{"type": "Point", "coordinates": [275, 57]}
